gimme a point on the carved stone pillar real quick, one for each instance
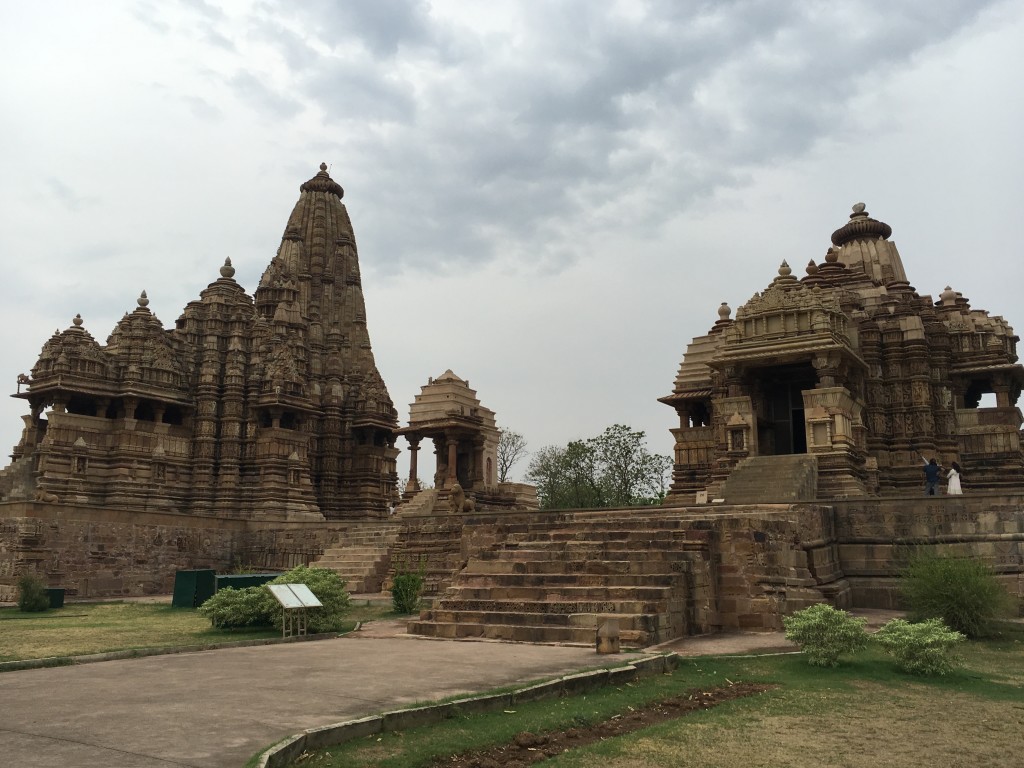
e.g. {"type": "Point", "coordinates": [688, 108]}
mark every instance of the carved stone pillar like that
{"type": "Point", "coordinates": [414, 449]}
{"type": "Point", "coordinates": [478, 462]}
{"type": "Point", "coordinates": [453, 459]}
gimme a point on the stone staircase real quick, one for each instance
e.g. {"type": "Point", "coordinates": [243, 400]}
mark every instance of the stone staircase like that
{"type": "Point", "coordinates": [422, 503]}
{"type": "Point", "coordinates": [555, 583]}
{"type": "Point", "coordinates": [362, 556]}
{"type": "Point", "coordinates": [772, 479]}
{"type": "Point", "coordinates": [16, 481]}
{"type": "Point", "coordinates": [432, 545]}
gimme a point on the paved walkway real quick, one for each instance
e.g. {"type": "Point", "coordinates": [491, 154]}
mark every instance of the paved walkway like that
{"type": "Point", "coordinates": [215, 709]}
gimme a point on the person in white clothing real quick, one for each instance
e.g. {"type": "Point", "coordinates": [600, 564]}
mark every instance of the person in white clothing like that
{"type": "Point", "coordinates": [953, 487]}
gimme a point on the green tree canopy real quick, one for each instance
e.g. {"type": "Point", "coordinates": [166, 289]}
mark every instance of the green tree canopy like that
{"type": "Point", "coordinates": [614, 469]}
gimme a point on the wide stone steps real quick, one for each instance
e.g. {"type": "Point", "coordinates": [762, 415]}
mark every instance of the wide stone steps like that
{"type": "Point", "coordinates": [652, 566]}
{"type": "Point", "coordinates": [540, 586]}
{"type": "Point", "coordinates": [559, 581]}
{"type": "Point", "coordinates": [772, 478]}
{"type": "Point", "coordinates": [593, 551]}
{"type": "Point", "coordinates": [549, 583]}
{"type": "Point", "coordinates": [623, 573]}
{"type": "Point", "coordinates": [522, 633]}
{"type": "Point", "coordinates": [559, 532]}
{"type": "Point", "coordinates": [566, 593]}
{"type": "Point", "coordinates": [556, 604]}
{"type": "Point", "coordinates": [361, 558]}
{"type": "Point", "coordinates": [635, 622]}
{"type": "Point", "coordinates": [435, 549]}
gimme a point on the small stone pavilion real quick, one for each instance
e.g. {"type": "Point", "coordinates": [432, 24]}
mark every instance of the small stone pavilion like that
{"type": "Point", "coordinates": [464, 434]}
{"type": "Point", "coordinates": [851, 368]}
{"type": "Point", "coordinates": [264, 407]}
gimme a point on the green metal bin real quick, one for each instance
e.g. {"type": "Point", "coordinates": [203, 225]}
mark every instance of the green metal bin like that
{"type": "Point", "coordinates": [193, 588]}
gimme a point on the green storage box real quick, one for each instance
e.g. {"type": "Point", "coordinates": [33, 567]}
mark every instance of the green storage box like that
{"type": "Point", "coordinates": [193, 588]}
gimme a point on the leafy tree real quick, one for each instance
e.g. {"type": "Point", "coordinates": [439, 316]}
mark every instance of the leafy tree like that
{"type": "Point", "coordinates": [614, 469]}
{"type": "Point", "coordinates": [511, 448]}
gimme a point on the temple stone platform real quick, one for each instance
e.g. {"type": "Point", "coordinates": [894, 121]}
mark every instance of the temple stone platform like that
{"type": "Point", "coordinates": [663, 572]}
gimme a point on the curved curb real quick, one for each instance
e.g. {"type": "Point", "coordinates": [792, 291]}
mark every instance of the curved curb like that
{"type": "Point", "coordinates": [139, 653]}
{"type": "Point", "coordinates": [284, 752]}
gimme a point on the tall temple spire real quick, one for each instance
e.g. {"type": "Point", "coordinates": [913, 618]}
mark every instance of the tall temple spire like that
{"type": "Point", "coordinates": [266, 406]}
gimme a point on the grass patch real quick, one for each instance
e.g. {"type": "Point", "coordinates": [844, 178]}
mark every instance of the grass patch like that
{"type": "Point", "coordinates": [863, 712]}
{"type": "Point", "coordinates": [85, 628]}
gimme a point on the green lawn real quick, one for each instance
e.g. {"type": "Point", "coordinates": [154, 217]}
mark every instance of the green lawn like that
{"type": "Point", "coordinates": [863, 713]}
{"type": "Point", "coordinates": [83, 628]}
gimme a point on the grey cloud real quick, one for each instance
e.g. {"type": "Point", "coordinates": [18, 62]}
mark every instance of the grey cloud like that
{"type": "Point", "coordinates": [347, 92]}
{"type": "Point", "coordinates": [583, 118]}
{"type": "Point", "coordinates": [295, 49]}
{"type": "Point", "coordinates": [71, 199]}
{"type": "Point", "coordinates": [215, 38]}
{"type": "Point", "coordinates": [202, 108]}
{"type": "Point", "coordinates": [203, 8]}
{"type": "Point", "coordinates": [383, 26]}
{"type": "Point", "coordinates": [252, 89]}
{"type": "Point", "coordinates": [148, 14]}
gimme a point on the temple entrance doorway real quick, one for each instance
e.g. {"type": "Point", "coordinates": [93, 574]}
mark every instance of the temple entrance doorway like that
{"type": "Point", "coordinates": [780, 423]}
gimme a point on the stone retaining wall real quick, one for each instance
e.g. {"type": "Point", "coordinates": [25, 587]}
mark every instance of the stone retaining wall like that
{"type": "Point", "coordinates": [98, 552]}
{"type": "Point", "coordinates": [764, 561]}
{"type": "Point", "coordinates": [875, 537]}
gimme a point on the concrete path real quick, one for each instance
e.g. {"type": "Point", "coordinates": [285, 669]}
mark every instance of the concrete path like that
{"type": "Point", "coordinates": [216, 708]}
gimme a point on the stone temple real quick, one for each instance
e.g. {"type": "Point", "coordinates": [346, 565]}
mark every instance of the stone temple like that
{"type": "Point", "coordinates": [834, 385]}
{"type": "Point", "coordinates": [266, 406]}
{"type": "Point", "coordinates": [257, 432]}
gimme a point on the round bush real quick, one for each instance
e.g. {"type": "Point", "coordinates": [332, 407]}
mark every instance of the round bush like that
{"type": "Point", "coordinates": [824, 633]}
{"type": "Point", "coordinates": [329, 588]}
{"type": "Point", "coordinates": [32, 594]}
{"type": "Point", "coordinates": [925, 648]}
{"type": "Point", "coordinates": [256, 606]}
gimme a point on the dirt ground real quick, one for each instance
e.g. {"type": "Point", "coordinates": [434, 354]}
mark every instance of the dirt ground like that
{"type": "Point", "coordinates": [527, 748]}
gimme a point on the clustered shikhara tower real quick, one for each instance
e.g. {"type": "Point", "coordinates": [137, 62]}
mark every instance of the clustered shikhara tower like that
{"type": "Point", "coordinates": [850, 366]}
{"type": "Point", "coordinates": [251, 406]}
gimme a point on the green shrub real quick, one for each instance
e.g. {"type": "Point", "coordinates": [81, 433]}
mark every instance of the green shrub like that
{"type": "Point", "coordinates": [925, 648]}
{"type": "Point", "coordinates": [823, 633]}
{"type": "Point", "coordinates": [329, 588]}
{"type": "Point", "coordinates": [406, 589]}
{"type": "Point", "coordinates": [257, 607]}
{"type": "Point", "coordinates": [232, 608]}
{"type": "Point", "coordinates": [962, 591]}
{"type": "Point", "coordinates": [32, 594]}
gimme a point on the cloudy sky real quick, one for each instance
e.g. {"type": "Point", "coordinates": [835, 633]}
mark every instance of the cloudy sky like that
{"type": "Point", "coordinates": [549, 198]}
